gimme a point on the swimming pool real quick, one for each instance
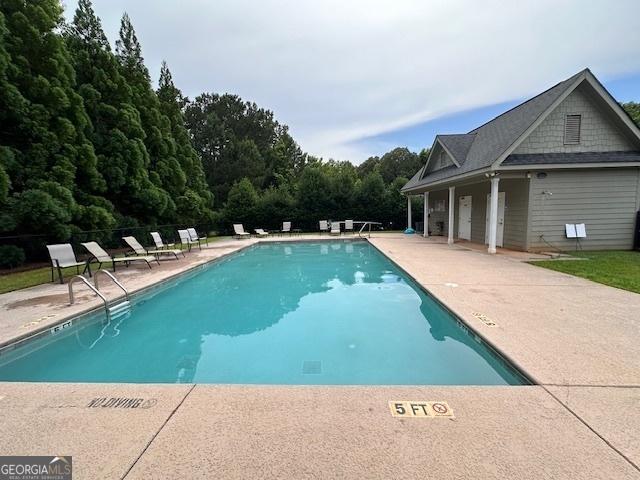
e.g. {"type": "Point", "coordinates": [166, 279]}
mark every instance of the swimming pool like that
{"type": "Point", "coordinates": [334, 312]}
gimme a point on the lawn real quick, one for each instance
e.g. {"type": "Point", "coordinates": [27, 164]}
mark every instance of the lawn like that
{"type": "Point", "coordinates": [619, 269]}
{"type": "Point", "coordinates": [37, 276]}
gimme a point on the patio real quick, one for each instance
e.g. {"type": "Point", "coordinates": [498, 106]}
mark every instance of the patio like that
{"type": "Point", "coordinates": [577, 339]}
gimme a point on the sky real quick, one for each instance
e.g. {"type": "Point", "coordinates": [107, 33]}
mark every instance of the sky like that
{"type": "Point", "coordinates": [356, 78]}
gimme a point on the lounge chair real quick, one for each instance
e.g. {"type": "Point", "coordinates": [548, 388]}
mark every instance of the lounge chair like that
{"type": "Point", "coordinates": [261, 233]}
{"type": "Point", "coordinates": [185, 239]}
{"type": "Point", "coordinates": [335, 228]}
{"type": "Point", "coordinates": [140, 250]}
{"type": "Point", "coordinates": [348, 226]}
{"type": "Point", "coordinates": [324, 226]}
{"type": "Point", "coordinates": [286, 228]}
{"type": "Point", "coordinates": [62, 256]}
{"type": "Point", "coordinates": [193, 235]}
{"type": "Point", "coordinates": [238, 229]}
{"type": "Point", "coordinates": [157, 239]}
{"type": "Point", "coordinates": [101, 257]}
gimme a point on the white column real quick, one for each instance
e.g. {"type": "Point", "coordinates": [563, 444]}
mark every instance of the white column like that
{"type": "Point", "coordinates": [408, 211]}
{"type": "Point", "coordinates": [493, 214]}
{"type": "Point", "coordinates": [426, 215]}
{"type": "Point", "coordinates": [452, 203]}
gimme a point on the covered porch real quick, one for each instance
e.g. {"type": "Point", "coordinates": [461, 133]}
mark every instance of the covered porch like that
{"type": "Point", "coordinates": [491, 210]}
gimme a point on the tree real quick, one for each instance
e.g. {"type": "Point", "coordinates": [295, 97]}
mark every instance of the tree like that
{"type": "Point", "coordinates": [314, 199]}
{"type": "Point", "coordinates": [275, 205]}
{"type": "Point", "coordinates": [195, 204]}
{"type": "Point", "coordinates": [370, 165]}
{"type": "Point", "coordinates": [399, 162]}
{"type": "Point", "coordinates": [44, 145]}
{"type": "Point", "coordinates": [633, 109]}
{"type": "Point", "coordinates": [236, 139]}
{"type": "Point", "coordinates": [241, 203]}
{"type": "Point", "coordinates": [167, 178]}
{"type": "Point", "coordinates": [370, 197]}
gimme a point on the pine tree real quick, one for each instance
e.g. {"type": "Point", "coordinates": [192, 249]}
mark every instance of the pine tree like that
{"type": "Point", "coordinates": [117, 135]}
{"type": "Point", "coordinates": [166, 173]}
{"type": "Point", "coordinates": [43, 139]}
{"type": "Point", "coordinates": [194, 205]}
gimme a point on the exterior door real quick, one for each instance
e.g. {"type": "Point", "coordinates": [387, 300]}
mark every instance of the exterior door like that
{"type": "Point", "coordinates": [464, 218]}
{"type": "Point", "coordinates": [500, 231]}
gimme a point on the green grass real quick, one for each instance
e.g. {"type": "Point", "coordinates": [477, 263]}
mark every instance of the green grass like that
{"type": "Point", "coordinates": [619, 269]}
{"type": "Point", "coordinates": [38, 276]}
{"type": "Point", "coordinates": [29, 278]}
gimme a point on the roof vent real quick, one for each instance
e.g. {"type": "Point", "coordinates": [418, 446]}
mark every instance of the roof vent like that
{"type": "Point", "coordinates": [572, 129]}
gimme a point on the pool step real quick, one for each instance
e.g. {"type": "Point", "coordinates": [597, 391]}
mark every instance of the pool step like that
{"type": "Point", "coordinates": [119, 309]}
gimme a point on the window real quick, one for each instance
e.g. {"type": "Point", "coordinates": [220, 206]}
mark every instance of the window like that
{"type": "Point", "coordinates": [572, 129]}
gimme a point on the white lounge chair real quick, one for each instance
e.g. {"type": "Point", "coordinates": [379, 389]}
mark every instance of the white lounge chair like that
{"type": "Point", "coordinates": [101, 256]}
{"type": "Point", "coordinates": [193, 235]}
{"type": "Point", "coordinates": [324, 226]}
{"type": "Point", "coordinates": [286, 228]}
{"type": "Point", "coordinates": [62, 256]}
{"type": "Point", "coordinates": [261, 233]}
{"type": "Point", "coordinates": [140, 250]}
{"type": "Point", "coordinates": [348, 226]}
{"type": "Point", "coordinates": [185, 239]}
{"type": "Point", "coordinates": [157, 239]}
{"type": "Point", "coordinates": [238, 229]}
{"type": "Point", "coordinates": [335, 228]}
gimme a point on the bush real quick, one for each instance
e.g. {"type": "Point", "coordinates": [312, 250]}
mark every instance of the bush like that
{"type": "Point", "coordinates": [11, 256]}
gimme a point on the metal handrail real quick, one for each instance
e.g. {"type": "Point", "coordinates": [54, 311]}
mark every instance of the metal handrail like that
{"type": "Point", "coordinates": [115, 280]}
{"type": "Point", "coordinates": [364, 224]}
{"type": "Point", "coordinates": [80, 278]}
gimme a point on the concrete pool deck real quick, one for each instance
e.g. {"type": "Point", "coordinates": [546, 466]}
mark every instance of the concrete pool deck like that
{"type": "Point", "coordinates": [579, 340]}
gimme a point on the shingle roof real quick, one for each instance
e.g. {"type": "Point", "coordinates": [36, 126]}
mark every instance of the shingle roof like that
{"type": "Point", "coordinates": [569, 158]}
{"type": "Point", "coordinates": [458, 144]}
{"type": "Point", "coordinates": [494, 137]}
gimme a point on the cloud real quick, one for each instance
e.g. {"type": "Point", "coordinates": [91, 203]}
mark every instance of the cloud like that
{"type": "Point", "coordinates": [337, 72]}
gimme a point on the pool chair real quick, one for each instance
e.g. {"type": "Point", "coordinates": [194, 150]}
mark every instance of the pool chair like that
{"type": "Point", "coordinates": [62, 256]}
{"type": "Point", "coordinates": [239, 232]}
{"type": "Point", "coordinates": [324, 226]}
{"type": "Point", "coordinates": [185, 239]}
{"type": "Point", "coordinates": [335, 228]}
{"type": "Point", "coordinates": [348, 226]}
{"type": "Point", "coordinates": [140, 250]}
{"type": "Point", "coordinates": [157, 239]}
{"type": "Point", "coordinates": [286, 228]}
{"type": "Point", "coordinates": [260, 232]}
{"type": "Point", "coordinates": [193, 235]}
{"type": "Point", "coordinates": [101, 256]}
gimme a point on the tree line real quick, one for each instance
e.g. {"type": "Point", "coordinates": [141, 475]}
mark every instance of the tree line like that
{"type": "Point", "coordinates": [87, 143]}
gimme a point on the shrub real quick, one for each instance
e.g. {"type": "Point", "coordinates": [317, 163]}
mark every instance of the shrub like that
{"type": "Point", "coordinates": [11, 256]}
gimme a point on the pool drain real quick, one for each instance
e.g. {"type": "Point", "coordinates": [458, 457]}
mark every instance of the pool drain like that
{"type": "Point", "coordinates": [312, 367]}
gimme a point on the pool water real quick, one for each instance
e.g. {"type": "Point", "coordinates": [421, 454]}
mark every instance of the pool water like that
{"type": "Point", "coordinates": [335, 312]}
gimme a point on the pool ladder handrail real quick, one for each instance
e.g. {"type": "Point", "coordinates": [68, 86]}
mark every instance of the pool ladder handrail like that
{"type": "Point", "coordinates": [80, 278]}
{"type": "Point", "coordinates": [364, 224]}
{"type": "Point", "coordinates": [112, 277]}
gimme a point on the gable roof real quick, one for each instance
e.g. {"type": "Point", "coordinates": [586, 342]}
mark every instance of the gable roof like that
{"type": "Point", "coordinates": [489, 145]}
{"type": "Point", "coordinates": [457, 145]}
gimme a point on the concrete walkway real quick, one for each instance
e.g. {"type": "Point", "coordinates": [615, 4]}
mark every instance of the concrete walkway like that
{"type": "Point", "coordinates": [579, 340]}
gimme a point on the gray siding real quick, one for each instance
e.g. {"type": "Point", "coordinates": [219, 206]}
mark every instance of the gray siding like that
{"type": "Point", "coordinates": [598, 132]}
{"type": "Point", "coordinates": [516, 210]}
{"type": "Point", "coordinates": [435, 157]}
{"type": "Point", "coordinates": [606, 200]}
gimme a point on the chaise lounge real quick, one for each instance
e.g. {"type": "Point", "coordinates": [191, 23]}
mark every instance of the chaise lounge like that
{"type": "Point", "coordinates": [141, 251]}
{"type": "Point", "coordinates": [101, 256]}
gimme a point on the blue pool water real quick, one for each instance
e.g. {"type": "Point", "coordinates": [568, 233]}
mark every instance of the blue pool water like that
{"type": "Point", "coordinates": [283, 313]}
